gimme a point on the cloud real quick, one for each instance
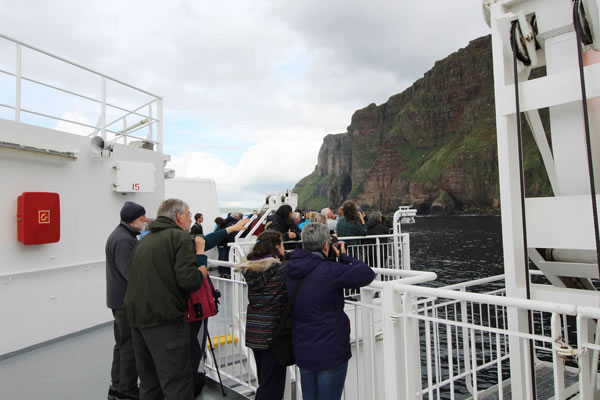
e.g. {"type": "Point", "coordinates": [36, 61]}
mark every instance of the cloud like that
{"type": "Point", "coordinates": [250, 87]}
{"type": "Point", "coordinates": [268, 166]}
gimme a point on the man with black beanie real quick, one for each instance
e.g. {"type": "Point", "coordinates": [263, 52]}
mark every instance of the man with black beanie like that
{"type": "Point", "coordinates": [119, 246]}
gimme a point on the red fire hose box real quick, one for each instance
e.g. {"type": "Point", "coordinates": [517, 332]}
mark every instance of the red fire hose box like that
{"type": "Point", "coordinates": [38, 218]}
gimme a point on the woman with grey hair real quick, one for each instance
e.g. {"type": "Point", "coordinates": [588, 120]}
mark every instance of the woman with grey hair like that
{"type": "Point", "coordinates": [320, 327]}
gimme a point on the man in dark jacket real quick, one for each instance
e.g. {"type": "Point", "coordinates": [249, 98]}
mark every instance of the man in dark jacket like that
{"type": "Point", "coordinates": [197, 227]}
{"type": "Point", "coordinates": [320, 327]}
{"type": "Point", "coordinates": [163, 270]}
{"type": "Point", "coordinates": [118, 249]}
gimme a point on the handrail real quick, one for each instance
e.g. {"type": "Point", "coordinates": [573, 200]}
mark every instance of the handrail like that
{"type": "Point", "coordinates": [409, 277]}
{"type": "Point", "coordinates": [219, 263]}
{"type": "Point", "coordinates": [341, 239]}
{"type": "Point", "coordinates": [129, 112]}
{"type": "Point", "coordinates": [475, 282]}
{"type": "Point", "coordinates": [50, 269]}
{"type": "Point", "coordinates": [53, 117]}
{"type": "Point", "coordinates": [533, 305]}
{"type": "Point", "coordinates": [157, 100]}
{"type": "Point", "coordinates": [76, 65]}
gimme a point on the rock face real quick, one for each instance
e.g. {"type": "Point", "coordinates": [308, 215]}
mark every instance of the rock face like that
{"type": "Point", "coordinates": [432, 146]}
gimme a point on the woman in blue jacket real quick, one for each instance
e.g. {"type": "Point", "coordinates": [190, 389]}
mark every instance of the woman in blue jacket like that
{"type": "Point", "coordinates": [320, 327]}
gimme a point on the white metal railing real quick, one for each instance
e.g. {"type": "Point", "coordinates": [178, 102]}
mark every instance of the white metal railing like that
{"type": "Point", "coordinates": [379, 251]}
{"type": "Point", "coordinates": [386, 252]}
{"type": "Point", "coordinates": [463, 342]}
{"type": "Point", "coordinates": [227, 332]}
{"type": "Point", "coordinates": [420, 342]}
{"type": "Point", "coordinates": [145, 116]}
{"type": "Point", "coordinates": [236, 363]}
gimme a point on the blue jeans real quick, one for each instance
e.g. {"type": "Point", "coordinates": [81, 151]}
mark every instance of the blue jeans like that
{"type": "Point", "coordinates": [323, 385]}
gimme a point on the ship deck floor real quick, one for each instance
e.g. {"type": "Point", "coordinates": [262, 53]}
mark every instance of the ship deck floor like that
{"type": "Point", "coordinates": [75, 368]}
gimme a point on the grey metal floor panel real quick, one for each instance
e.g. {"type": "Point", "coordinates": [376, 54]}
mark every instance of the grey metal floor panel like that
{"type": "Point", "coordinates": [76, 368]}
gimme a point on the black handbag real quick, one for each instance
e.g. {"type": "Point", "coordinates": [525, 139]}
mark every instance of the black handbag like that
{"type": "Point", "coordinates": [281, 344]}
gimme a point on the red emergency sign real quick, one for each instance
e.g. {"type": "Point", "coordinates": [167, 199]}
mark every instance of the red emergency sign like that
{"type": "Point", "coordinates": [38, 217]}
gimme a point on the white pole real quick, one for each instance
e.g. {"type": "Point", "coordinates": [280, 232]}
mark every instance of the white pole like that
{"type": "Point", "coordinates": [125, 130]}
{"type": "Point", "coordinates": [368, 345]}
{"type": "Point", "coordinates": [103, 108]}
{"type": "Point", "coordinates": [393, 357]}
{"type": "Point", "coordinates": [18, 85]}
{"type": "Point", "coordinates": [586, 389]}
{"type": "Point", "coordinates": [160, 125]}
{"type": "Point", "coordinates": [149, 137]}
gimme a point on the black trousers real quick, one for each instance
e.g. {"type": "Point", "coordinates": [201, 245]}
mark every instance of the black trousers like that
{"type": "Point", "coordinates": [223, 256]}
{"type": "Point", "coordinates": [271, 376]}
{"type": "Point", "coordinates": [123, 372]}
{"type": "Point", "coordinates": [163, 359]}
{"type": "Point", "coordinates": [196, 344]}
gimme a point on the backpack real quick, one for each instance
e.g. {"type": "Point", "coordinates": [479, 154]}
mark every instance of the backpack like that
{"type": "Point", "coordinates": [202, 303]}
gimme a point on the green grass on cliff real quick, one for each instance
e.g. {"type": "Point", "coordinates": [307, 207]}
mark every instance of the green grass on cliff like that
{"type": "Point", "coordinates": [356, 190]}
{"type": "Point", "coordinates": [443, 131]}
{"type": "Point", "coordinates": [306, 188]}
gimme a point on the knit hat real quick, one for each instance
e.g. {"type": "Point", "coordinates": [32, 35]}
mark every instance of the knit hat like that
{"type": "Point", "coordinates": [131, 211]}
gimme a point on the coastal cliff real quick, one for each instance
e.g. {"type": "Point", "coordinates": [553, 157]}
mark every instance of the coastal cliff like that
{"type": "Point", "coordinates": [432, 146]}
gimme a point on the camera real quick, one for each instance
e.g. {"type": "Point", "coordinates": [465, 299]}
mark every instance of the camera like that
{"type": "Point", "coordinates": [333, 242]}
{"type": "Point", "coordinates": [216, 293]}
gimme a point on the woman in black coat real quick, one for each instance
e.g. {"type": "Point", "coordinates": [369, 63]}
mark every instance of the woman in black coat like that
{"type": "Point", "coordinates": [283, 222]}
{"type": "Point", "coordinates": [377, 226]}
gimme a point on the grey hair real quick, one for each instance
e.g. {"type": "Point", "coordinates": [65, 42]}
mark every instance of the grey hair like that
{"type": "Point", "coordinates": [375, 216]}
{"type": "Point", "coordinates": [325, 212]}
{"type": "Point", "coordinates": [314, 236]}
{"type": "Point", "coordinates": [237, 215]}
{"type": "Point", "coordinates": [171, 207]}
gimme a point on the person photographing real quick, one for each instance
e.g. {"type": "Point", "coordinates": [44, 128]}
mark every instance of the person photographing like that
{"type": "Point", "coordinates": [320, 327]}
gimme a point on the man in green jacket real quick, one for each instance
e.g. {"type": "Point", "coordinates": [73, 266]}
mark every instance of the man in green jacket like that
{"type": "Point", "coordinates": [163, 270]}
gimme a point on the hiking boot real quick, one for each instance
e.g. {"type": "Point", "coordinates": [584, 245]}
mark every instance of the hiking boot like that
{"type": "Point", "coordinates": [112, 393]}
{"type": "Point", "coordinates": [199, 382]}
{"type": "Point", "coordinates": [130, 395]}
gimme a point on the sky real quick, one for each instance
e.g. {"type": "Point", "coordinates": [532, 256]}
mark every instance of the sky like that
{"type": "Point", "coordinates": [249, 88]}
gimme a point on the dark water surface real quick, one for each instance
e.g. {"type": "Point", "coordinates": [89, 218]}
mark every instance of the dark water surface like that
{"type": "Point", "coordinates": [457, 249]}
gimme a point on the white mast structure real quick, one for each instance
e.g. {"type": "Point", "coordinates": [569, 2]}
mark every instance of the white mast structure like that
{"type": "Point", "coordinates": [558, 231]}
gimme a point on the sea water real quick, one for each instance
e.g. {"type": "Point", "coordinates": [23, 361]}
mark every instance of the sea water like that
{"type": "Point", "coordinates": [457, 249]}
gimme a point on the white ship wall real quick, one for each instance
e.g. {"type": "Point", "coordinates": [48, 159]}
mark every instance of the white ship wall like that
{"type": "Point", "coordinates": [51, 290]}
{"type": "Point", "coordinates": [201, 195]}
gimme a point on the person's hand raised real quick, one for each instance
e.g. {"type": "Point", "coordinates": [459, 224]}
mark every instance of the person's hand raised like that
{"type": "Point", "coordinates": [200, 243]}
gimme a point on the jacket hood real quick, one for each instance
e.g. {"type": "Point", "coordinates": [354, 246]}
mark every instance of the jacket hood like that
{"type": "Point", "coordinates": [302, 263]}
{"type": "Point", "coordinates": [258, 266]}
{"type": "Point", "coordinates": [162, 223]}
{"type": "Point", "coordinates": [276, 219]}
{"type": "Point", "coordinates": [230, 220]}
